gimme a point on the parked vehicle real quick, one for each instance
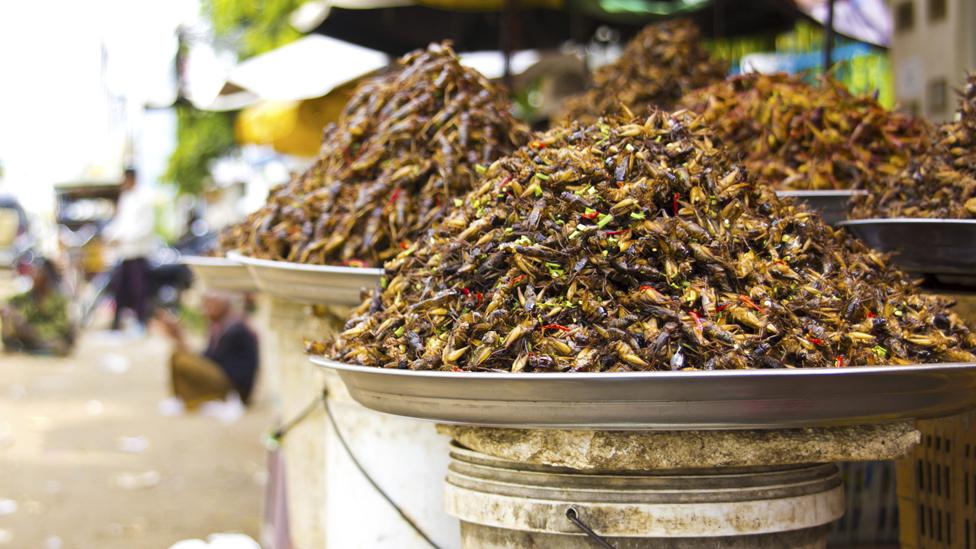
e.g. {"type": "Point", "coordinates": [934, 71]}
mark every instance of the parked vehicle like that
{"type": "Point", "coordinates": [15, 236]}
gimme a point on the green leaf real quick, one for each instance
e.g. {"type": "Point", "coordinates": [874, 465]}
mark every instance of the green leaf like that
{"type": "Point", "coordinates": [201, 138]}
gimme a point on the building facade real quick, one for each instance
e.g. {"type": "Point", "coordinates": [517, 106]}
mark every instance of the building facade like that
{"type": "Point", "coordinates": [933, 46]}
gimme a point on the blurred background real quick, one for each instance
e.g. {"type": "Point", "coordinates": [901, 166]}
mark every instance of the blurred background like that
{"type": "Point", "coordinates": [209, 104]}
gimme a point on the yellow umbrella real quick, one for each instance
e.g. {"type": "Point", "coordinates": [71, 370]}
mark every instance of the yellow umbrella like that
{"type": "Point", "coordinates": [292, 127]}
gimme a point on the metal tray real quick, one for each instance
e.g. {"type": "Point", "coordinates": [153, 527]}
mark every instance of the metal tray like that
{"type": "Point", "coordinates": [316, 284]}
{"type": "Point", "coordinates": [832, 205]}
{"type": "Point", "coordinates": [928, 246]}
{"type": "Point", "coordinates": [219, 273]}
{"type": "Point", "coordinates": [728, 399]}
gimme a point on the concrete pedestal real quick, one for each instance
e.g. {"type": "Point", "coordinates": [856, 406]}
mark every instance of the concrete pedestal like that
{"type": "Point", "coordinates": [330, 503]}
{"type": "Point", "coordinates": [512, 488]}
{"type": "Point", "coordinates": [294, 385]}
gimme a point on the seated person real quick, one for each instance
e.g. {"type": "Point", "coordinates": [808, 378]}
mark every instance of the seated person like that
{"type": "Point", "coordinates": [229, 363]}
{"type": "Point", "coordinates": [36, 321]}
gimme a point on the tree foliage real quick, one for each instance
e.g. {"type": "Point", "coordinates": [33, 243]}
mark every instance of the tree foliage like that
{"type": "Point", "coordinates": [252, 26]}
{"type": "Point", "coordinates": [202, 137]}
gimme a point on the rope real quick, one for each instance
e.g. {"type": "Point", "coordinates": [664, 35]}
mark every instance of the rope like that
{"type": "Point", "coordinates": [573, 517]}
{"type": "Point", "coordinates": [275, 438]}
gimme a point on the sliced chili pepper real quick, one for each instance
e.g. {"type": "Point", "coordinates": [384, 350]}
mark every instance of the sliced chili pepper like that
{"type": "Point", "coordinates": [516, 280]}
{"type": "Point", "coordinates": [537, 145]}
{"type": "Point", "coordinates": [394, 196]}
{"type": "Point", "coordinates": [722, 307]}
{"type": "Point", "coordinates": [404, 245]}
{"type": "Point", "coordinates": [479, 297]}
{"type": "Point", "coordinates": [697, 317]}
{"type": "Point", "coordinates": [590, 215]}
{"type": "Point", "coordinates": [466, 292]}
{"type": "Point", "coordinates": [745, 299]}
{"type": "Point", "coordinates": [674, 201]}
{"type": "Point", "coordinates": [871, 315]}
{"type": "Point", "coordinates": [559, 327]}
{"type": "Point", "coordinates": [614, 233]}
{"type": "Point", "coordinates": [839, 361]}
{"type": "Point", "coordinates": [815, 340]}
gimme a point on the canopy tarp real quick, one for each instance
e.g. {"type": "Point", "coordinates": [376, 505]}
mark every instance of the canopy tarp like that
{"type": "Point", "coordinates": [292, 126]}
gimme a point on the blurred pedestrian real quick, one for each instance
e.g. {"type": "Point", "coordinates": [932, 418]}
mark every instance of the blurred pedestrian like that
{"type": "Point", "coordinates": [36, 321]}
{"type": "Point", "coordinates": [131, 233]}
{"type": "Point", "coordinates": [228, 364]}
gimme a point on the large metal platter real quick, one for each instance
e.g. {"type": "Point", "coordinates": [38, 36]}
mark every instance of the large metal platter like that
{"type": "Point", "coordinates": [729, 399]}
{"type": "Point", "coordinates": [220, 273]}
{"type": "Point", "coordinates": [316, 284]}
{"type": "Point", "coordinates": [928, 246]}
{"type": "Point", "coordinates": [832, 205]}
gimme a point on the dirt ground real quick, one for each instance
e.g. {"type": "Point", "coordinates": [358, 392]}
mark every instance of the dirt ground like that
{"type": "Point", "coordinates": [72, 476]}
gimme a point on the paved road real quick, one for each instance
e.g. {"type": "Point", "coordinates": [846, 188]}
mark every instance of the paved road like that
{"type": "Point", "coordinates": [63, 467]}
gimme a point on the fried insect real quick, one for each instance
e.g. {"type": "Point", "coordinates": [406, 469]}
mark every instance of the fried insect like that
{"type": "Point", "coordinates": [793, 135]}
{"type": "Point", "coordinates": [939, 184]}
{"type": "Point", "coordinates": [407, 145]}
{"type": "Point", "coordinates": [636, 244]}
{"type": "Point", "coordinates": [656, 68]}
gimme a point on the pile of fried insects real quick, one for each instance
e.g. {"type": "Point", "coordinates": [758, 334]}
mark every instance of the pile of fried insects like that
{"type": "Point", "coordinates": [794, 135]}
{"type": "Point", "coordinates": [408, 145]}
{"type": "Point", "coordinates": [638, 244]}
{"type": "Point", "coordinates": [939, 184]}
{"type": "Point", "coordinates": [656, 68]}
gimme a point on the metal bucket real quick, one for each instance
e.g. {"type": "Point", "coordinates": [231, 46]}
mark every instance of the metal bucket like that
{"type": "Point", "coordinates": [505, 504]}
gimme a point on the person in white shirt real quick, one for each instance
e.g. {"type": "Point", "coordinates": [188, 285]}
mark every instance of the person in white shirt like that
{"type": "Point", "coordinates": [131, 235]}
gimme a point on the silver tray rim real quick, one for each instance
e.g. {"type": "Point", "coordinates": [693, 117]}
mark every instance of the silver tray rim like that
{"type": "Point", "coordinates": [303, 267]}
{"type": "Point", "coordinates": [906, 221]}
{"type": "Point", "coordinates": [827, 193]}
{"type": "Point", "coordinates": [934, 367]}
{"type": "Point", "coordinates": [669, 401]}
{"type": "Point", "coordinates": [220, 273]}
{"type": "Point", "coordinates": [209, 261]}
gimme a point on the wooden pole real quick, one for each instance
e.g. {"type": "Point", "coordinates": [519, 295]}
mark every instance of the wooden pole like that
{"type": "Point", "coordinates": [828, 49]}
{"type": "Point", "coordinates": [506, 39]}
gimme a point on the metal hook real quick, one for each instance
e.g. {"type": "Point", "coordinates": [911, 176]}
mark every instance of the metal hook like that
{"type": "Point", "coordinates": [573, 517]}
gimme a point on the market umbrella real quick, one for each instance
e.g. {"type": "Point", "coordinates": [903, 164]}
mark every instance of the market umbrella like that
{"type": "Point", "coordinates": [291, 126]}
{"type": "Point", "coordinates": [401, 26]}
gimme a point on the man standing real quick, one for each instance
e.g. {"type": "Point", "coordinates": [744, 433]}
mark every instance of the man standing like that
{"type": "Point", "coordinates": [131, 233]}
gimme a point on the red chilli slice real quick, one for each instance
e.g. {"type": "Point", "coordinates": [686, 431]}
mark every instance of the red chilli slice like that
{"type": "Point", "coordinates": [394, 196]}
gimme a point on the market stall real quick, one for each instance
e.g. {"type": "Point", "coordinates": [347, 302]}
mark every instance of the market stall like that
{"type": "Point", "coordinates": [628, 327]}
